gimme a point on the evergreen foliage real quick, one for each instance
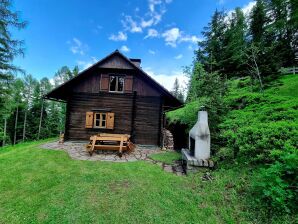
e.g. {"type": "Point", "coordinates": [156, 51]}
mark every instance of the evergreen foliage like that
{"type": "Point", "coordinates": [270, 28]}
{"type": "Point", "coordinates": [252, 108]}
{"type": "Point", "coordinates": [177, 91]}
{"type": "Point", "coordinates": [29, 116]}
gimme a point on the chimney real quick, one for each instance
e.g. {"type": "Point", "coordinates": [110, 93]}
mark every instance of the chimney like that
{"type": "Point", "coordinates": [136, 61]}
{"type": "Point", "coordinates": [199, 137]}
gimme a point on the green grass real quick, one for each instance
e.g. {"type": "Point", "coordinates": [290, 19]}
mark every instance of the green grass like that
{"type": "Point", "coordinates": [255, 128]}
{"type": "Point", "coordinates": [166, 157]}
{"type": "Point", "coordinates": [45, 186]}
{"type": "Point", "coordinates": [288, 88]}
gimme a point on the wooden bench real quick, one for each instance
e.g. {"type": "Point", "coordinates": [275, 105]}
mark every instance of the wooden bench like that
{"type": "Point", "coordinates": [104, 141]}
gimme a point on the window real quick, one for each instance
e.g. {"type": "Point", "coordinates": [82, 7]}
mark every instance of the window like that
{"type": "Point", "coordinates": [116, 83]}
{"type": "Point", "coordinates": [100, 120]}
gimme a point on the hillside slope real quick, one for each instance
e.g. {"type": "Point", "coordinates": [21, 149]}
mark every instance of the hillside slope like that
{"type": "Point", "coordinates": [258, 132]}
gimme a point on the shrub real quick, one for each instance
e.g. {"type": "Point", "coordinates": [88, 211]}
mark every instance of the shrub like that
{"type": "Point", "coordinates": [258, 124]}
{"type": "Point", "coordinates": [276, 185]}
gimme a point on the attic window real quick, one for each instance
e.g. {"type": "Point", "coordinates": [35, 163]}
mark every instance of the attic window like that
{"type": "Point", "coordinates": [116, 83]}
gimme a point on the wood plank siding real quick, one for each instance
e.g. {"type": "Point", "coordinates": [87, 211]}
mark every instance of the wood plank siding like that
{"type": "Point", "coordinates": [137, 104]}
{"type": "Point", "coordinates": [143, 125]}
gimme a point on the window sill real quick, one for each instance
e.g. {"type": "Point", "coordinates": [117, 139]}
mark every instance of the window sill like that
{"type": "Point", "coordinates": [116, 92]}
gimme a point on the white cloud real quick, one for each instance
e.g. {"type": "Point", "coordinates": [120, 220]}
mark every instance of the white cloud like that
{"type": "Point", "coordinates": [167, 80]}
{"type": "Point", "coordinates": [119, 37]}
{"type": "Point", "coordinates": [174, 36]}
{"type": "Point", "coordinates": [137, 24]}
{"type": "Point", "coordinates": [152, 33]}
{"type": "Point", "coordinates": [179, 56]}
{"type": "Point", "coordinates": [52, 81]}
{"type": "Point", "coordinates": [171, 36]}
{"type": "Point", "coordinates": [153, 3]}
{"type": "Point", "coordinates": [191, 39]}
{"type": "Point", "coordinates": [77, 47]}
{"type": "Point", "coordinates": [124, 48]}
{"type": "Point", "coordinates": [152, 52]}
{"type": "Point", "coordinates": [88, 63]}
{"type": "Point", "coordinates": [247, 8]}
{"type": "Point", "coordinates": [221, 2]}
{"type": "Point", "coordinates": [130, 25]}
{"type": "Point", "coordinates": [147, 23]}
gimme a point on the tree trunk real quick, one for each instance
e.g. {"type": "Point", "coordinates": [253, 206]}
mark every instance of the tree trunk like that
{"type": "Point", "coordinates": [24, 127]}
{"type": "Point", "coordinates": [4, 134]}
{"type": "Point", "coordinates": [258, 74]}
{"type": "Point", "coordinates": [40, 119]}
{"type": "Point", "coordinates": [15, 126]}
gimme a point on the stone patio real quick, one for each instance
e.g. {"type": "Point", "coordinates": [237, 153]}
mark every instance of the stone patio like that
{"type": "Point", "coordinates": [77, 150]}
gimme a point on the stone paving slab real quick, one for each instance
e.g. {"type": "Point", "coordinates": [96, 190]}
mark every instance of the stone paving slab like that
{"type": "Point", "coordinates": [77, 150]}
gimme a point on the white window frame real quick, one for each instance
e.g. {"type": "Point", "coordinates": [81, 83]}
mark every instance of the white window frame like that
{"type": "Point", "coordinates": [100, 120]}
{"type": "Point", "coordinates": [117, 78]}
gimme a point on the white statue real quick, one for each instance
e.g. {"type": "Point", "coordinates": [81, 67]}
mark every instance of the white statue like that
{"type": "Point", "coordinates": [200, 133]}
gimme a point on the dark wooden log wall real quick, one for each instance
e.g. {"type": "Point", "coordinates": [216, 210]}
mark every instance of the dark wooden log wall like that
{"type": "Point", "coordinates": [80, 103]}
{"type": "Point", "coordinates": [147, 120]}
{"type": "Point", "coordinates": [143, 124]}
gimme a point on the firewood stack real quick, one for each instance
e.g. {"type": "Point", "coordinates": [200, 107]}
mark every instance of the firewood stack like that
{"type": "Point", "coordinates": [168, 140]}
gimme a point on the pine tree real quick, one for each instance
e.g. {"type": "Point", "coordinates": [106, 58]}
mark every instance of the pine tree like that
{"type": "Point", "coordinates": [9, 49]}
{"type": "Point", "coordinates": [29, 83]}
{"type": "Point", "coordinates": [233, 59]}
{"type": "Point", "coordinates": [284, 33]}
{"type": "Point", "coordinates": [210, 50]}
{"type": "Point", "coordinates": [177, 91]}
{"type": "Point", "coordinates": [258, 21]}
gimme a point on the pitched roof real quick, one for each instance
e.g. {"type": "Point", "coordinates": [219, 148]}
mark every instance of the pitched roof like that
{"type": "Point", "coordinates": [159, 87]}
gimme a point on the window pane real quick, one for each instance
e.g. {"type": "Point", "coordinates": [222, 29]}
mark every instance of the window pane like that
{"type": "Point", "coordinates": [97, 116]}
{"type": "Point", "coordinates": [97, 123]}
{"type": "Point", "coordinates": [103, 117]}
{"type": "Point", "coordinates": [103, 123]}
{"type": "Point", "coordinates": [120, 84]}
{"type": "Point", "coordinates": [113, 80]}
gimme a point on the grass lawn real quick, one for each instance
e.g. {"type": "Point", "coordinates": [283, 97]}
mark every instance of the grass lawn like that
{"type": "Point", "coordinates": [166, 157]}
{"type": "Point", "coordinates": [45, 186]}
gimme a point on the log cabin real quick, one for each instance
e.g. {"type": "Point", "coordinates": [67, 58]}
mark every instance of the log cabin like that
{"type": "Point", "coordinates": [115, 95]}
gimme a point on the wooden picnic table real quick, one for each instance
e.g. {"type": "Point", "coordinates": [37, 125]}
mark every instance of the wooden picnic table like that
{"type": "Point", "coordinates": [104, 141]}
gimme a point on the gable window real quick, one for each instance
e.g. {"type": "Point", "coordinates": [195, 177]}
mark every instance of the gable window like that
{"type": "Point", "coordinates": [116, 83]}
{"type": "Point", "coordinates": [100, 120]}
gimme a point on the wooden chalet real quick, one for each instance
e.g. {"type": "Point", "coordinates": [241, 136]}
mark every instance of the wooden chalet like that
{"type": "Point", "coordinates": [115, 96]}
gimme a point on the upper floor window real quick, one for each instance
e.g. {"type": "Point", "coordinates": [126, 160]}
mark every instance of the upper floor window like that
{"type": "Point", "coordinates": [116, 83]}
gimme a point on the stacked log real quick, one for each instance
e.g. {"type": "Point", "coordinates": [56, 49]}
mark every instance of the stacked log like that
{"type": "Point", "coordinates": [168, 140]}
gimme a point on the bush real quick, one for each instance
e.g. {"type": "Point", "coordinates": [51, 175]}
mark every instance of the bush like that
{"type": "Point", "coordinates": [276, 186]}
{"type": "Point", "coordinates": [258, 124]}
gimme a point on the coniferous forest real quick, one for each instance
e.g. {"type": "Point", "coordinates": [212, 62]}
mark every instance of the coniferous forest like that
{"type": "Point", "coordinates": [25, 115]}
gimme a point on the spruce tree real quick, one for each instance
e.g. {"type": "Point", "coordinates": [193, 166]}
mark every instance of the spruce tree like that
{"type": "Point", "coordinates": [233, 59]}
{"type": "Point", "coordinates": [210, 49]}
{"type": "Point", "coordinates": [9, 49]}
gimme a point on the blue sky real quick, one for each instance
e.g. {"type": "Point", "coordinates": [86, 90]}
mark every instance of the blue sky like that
{"type": "Point", "coordinates": [163, 33]}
